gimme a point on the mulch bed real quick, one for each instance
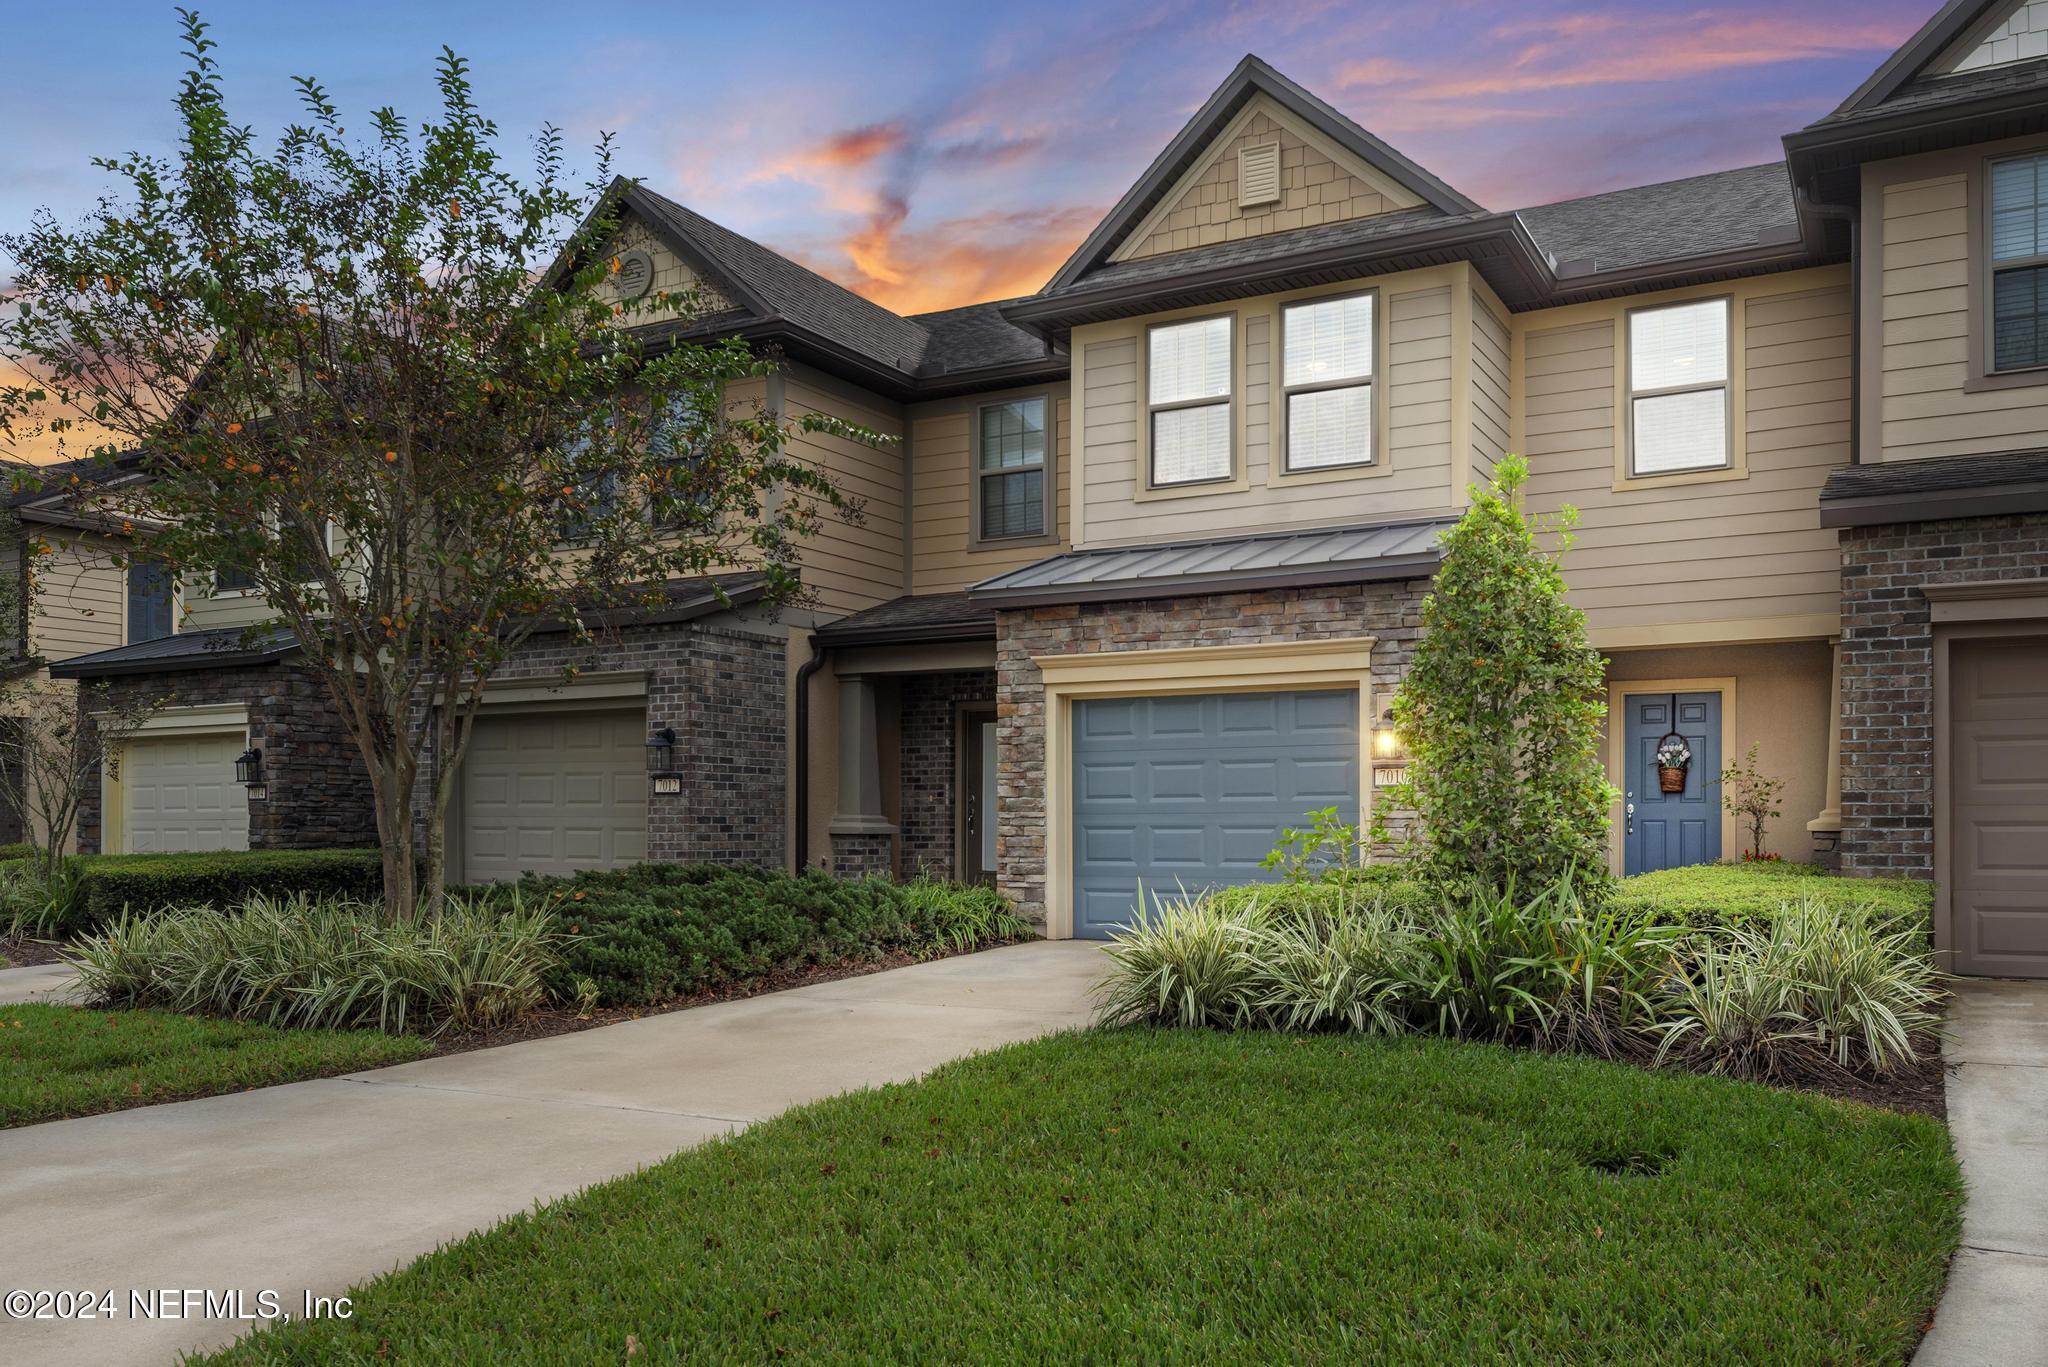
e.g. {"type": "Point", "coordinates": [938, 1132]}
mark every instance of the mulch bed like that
{"type": "Point", "coordinates": [549, 1021]}
{"type": "Point", "coordinates": [1921, 1089]}
{"type": "Point", "coordinates": [19, 953]}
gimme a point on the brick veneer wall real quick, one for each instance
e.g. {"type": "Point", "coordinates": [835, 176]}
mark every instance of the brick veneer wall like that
{"type": "Point", "coordinates": [723, 690]}
{"type": "Point", "coordinates": [317, 793]}
{"type": "Point", "coordinates": [1390, 612]}
{"type": "Point", "coordinates": [928, 750]}
{"type": "Point", "coordinates": [1888, 673]}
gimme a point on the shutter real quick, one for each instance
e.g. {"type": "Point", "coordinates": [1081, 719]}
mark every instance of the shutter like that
{"type": "Point", "coordinates": [1258, 174]}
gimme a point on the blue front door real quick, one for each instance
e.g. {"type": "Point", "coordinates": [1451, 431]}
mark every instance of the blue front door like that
{"type": "Point", "coordinates": [1667, 830]}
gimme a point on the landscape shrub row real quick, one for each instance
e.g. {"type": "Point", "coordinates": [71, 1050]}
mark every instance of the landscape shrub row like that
{"type": "Point", "coordinates": [93, 890]}
{"type": "Point", "coordinates": [654, 932]}
{"type": "Point", "coordinates": [1814, 986]}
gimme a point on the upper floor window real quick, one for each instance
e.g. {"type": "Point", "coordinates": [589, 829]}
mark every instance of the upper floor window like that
{"type": "Point", "coordinates": [1678, 400]}
{"type": "Point", "coordinates": [1327, 365]}
{"type": "Point", "coordinates": [1188, 375]}
{"type": "Point", "coordinates": [233, 579]}
{"type": "Point", "coordinates": [149, 601]}
{"type": "Point", "coordinates": [1010, 466]}
{"type": "Point", "coordinates": [2019, 263]}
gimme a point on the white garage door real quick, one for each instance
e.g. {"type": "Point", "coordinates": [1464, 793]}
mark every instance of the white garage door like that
{"type": "Point", "coordinates": [179, 793]}
{"type": "Point", "coordinates": [554, 792]}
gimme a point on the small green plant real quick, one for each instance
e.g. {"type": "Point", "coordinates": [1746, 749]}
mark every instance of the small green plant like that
{"type": "Point", "coordinates": [1328, 845]}
{"type": "Point", "coordinates": [1188, 960]}
{"type": "Point", "coordinates": [1753, 796]}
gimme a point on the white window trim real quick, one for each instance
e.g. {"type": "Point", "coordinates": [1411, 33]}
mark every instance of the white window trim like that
{"type": "Point", "coordinates": [1284, 436]}
{"type": "Point", "coordinates": [253, 591]}
{"type": "Point", "coordinates": [1730, 451]}
{"type": "Point", "coordinates": [1231, 402]}
{"type": "Point", "coordinates": [1049, 534]}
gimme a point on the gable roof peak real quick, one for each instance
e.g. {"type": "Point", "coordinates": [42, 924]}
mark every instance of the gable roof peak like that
{"type": "Point", "coordinates": [1252, 76]}
{"type": "Point", "coordinates": [1949, 25]}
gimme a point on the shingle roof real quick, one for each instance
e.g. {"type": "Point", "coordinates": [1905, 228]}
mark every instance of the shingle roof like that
{"type": "Point", "coordinates": [976, 337]}
{"type": "Point", "coordinates": [1329, 555]}
{"type": "Point", "coordinates": [1697, 216]}
{"type": "Point", "coordinates": [920, 617]}
{"type": "Point", "coordinates": [1925, 94]}
{"type": "Point", "coordinates": [1925, 490]}
{"type": "Point", "coordinates": [217, 648]}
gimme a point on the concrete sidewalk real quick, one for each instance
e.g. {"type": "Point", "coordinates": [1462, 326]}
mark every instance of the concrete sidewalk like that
{"type": "Point", "coordinates": [317, 1185]}
{"type": "Point", "coordinates": [1995, 1309]}
{"type": "Point", "coordinates": [42, 983]}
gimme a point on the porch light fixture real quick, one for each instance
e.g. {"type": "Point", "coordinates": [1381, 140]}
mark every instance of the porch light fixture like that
{"type": "Point", "coordinates": [661, 754]}
{"type": "Point", "coordinates": [1389, 761]}
{"type": "Point", "coordinates": [249, 770]}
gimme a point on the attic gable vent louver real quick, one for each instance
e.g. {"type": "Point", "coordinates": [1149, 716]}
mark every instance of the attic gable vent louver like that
{"type": "Point", "coordinates": [1258, 175]}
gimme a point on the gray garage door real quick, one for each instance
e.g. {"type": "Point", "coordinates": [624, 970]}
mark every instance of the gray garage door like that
{"type": "Point", "coordinates": [554, 792]}
{"type": "Point", "coordinates": [1998, 809]}
{"type": "Point", "coordinates": [1192, 791]}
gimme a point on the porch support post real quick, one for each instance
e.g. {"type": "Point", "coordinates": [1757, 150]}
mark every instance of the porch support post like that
{"type": "Point", "coordinates": [1826, 828]}
{"type": "Point", "coordinates": [863, 839]}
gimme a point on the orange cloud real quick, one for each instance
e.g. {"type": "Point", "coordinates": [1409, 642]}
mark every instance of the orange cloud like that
{"type": "Point", "coordinates": [31, 442]}
{"type": "Point", "coordinates": [959, 260]}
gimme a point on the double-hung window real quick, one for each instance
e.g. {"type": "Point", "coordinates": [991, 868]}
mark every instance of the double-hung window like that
{"type": "Point", "coordinates": [1327, 372]}
{"type": "Point", "coordinates": [1188, 401]}
{"type": "Point", "coordinates": [1011, 441]}
{"type": "Point", "coordinates": [2019, 263]}
{"type": "Point", "coordinates": [1678, 399]}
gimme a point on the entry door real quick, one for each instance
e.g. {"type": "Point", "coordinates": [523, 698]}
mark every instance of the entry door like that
{"type": "Point", "coordinates": [1998, 811]}
{"type": "Point", "coordinates": [1668, 830]}
{"type": "Point", "coordinates": [977, 859]}
{"type": "Point", "coordinates": [1192, 792]}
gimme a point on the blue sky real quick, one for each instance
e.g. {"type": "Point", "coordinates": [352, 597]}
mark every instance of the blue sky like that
{"type": "Point", "coordinates": [931, 155]}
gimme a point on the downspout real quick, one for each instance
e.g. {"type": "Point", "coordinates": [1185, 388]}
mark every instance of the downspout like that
{"type": "Point", "coordinates": [802, 815]}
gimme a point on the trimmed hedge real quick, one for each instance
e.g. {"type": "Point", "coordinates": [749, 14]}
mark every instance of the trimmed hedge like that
{"type": "Point", "coordinates": [112, 883]}
{"type": "Point", "coordinates": [12, 852]}
{"type": "Point", "coordinates": [1737, 894]}
{"type": "Point", "coordinates": [655, 932]}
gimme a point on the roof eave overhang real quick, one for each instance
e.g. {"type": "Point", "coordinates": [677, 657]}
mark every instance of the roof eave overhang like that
{"type": "Point", "coordinates": [81, 667]}
{"type": "Point", "coordinates": [1420, 565]}
{"type": "Point", "coordinates": [1880, 510]}
{"type": "Point", "coordinates": [1815, 151]}
{"type": "Point", "coordinates": [942, 633]}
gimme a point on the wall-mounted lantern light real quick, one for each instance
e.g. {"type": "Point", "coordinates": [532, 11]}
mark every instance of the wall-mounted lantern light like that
{"type": "Point", "coordinates": [661, 760]}
{"type": "Point", "coordinates": [249, 771]}
{"type": "Point", "coordinates": [1389, 758]}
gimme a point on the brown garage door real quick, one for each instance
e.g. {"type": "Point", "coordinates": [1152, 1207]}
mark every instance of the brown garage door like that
{"type": "Point", "coordinates": [554, 792]}
{"type": "Point", "coordinates": [1998, 822]}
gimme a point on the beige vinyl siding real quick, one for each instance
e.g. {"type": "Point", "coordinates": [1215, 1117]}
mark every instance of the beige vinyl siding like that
{"type": "Point", "coordinates": [942, 556]}
{"type": "Point", "coordinates": [671, 276]}
{"type": "Point", "coordinates": [81, 597]}
{"type": "Point", "coordinates": [1491, 350]}
{"type": "Point", "coordinates": [1924, 313]}
{"type": "Point", "coordinates": [1412, 471]}
{"type": "Point", "coordinates": [1732, 549]}
{"type": "Point", "coordinates": [851, 565]}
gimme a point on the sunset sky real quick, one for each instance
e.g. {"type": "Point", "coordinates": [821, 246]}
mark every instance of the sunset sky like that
{"type": "Point", "coordinates": [932, 155]}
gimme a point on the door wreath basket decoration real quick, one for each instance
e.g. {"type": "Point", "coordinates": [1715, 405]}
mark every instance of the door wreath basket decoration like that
{"type": "Point", "coordinates": [1674, 757]}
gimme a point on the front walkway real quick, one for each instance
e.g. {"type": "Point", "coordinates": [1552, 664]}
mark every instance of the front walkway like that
{"type": "Point", "coordinates": [317, 1185]}
{"type": "Point", "coordinates": [41, 983]}
{"type": "Point", "coordinates": [1996, 1307]}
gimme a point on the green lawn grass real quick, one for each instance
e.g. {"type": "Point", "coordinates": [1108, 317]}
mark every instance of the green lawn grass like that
{"type": "Point", "coordinates": [59, 1061]}
{"type": "Point", "coordinates": [1188, 1196]}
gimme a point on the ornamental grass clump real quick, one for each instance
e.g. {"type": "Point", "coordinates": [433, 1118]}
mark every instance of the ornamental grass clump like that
{"type": "Point", "coordinates": [296, 961]}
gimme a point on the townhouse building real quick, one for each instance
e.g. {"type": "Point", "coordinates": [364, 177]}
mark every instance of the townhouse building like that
{"type": "Point", "coordinates": [1136, 582]}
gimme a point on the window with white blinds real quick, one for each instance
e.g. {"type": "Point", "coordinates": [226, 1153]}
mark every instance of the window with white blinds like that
{"type": "Point", "coordinates": [1678, 363]}
{"type": "Point", "coordinates": [1326, 350]}
{"type": "Point", "coordinates": [1188, 377]}
{"type": "Point", "coordinates": [2019, 263]}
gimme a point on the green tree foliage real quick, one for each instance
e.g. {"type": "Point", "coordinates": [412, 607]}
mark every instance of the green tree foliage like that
{"type": "Point", "coordinates": [1501, 712]}
{"type": "Point", "coordinates": [366, 374]}
{"type": "Point", "coordinates": [1755, 797]}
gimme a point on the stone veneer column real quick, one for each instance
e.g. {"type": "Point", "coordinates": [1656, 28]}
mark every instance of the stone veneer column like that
{"type": "Point", "coordinates": [863, 839]}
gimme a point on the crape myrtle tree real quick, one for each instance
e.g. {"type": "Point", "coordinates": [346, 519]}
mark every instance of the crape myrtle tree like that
{"type": "Point", "coordinates": [1502, 710]}
{"type": "Point", "coordinates": [365, 373]}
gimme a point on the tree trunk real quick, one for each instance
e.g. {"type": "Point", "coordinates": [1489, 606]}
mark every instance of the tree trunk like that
{"type": "Point", "coordinates": [391, 790]}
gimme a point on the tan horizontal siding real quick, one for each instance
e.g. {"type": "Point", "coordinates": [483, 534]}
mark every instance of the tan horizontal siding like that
{"type": "Point", "coordinates": [852, 564]}
{"type": "Point", "coordinates": [1490, 386]}
{"type": "Point", "coordinates": [1664, 554]}
{"type": "Point", "coordinates": [1925, 314]}
{"type": "Point", "coordinates": [943, 557]}
{"type": "Point", "coordinates": [80, 596]}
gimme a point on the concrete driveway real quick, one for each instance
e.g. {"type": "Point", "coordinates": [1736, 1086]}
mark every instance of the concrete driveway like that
{"type": "Point", "coordinates": [1995, 1309]}
{"type": "Point", "coordinates": [318, 1185]}
{"type": "Point", "coordinates": [43, 983]}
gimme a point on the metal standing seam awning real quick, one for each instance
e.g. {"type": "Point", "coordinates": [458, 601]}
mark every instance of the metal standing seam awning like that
{"type": "Point", "coordinates": [1325, 555]}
